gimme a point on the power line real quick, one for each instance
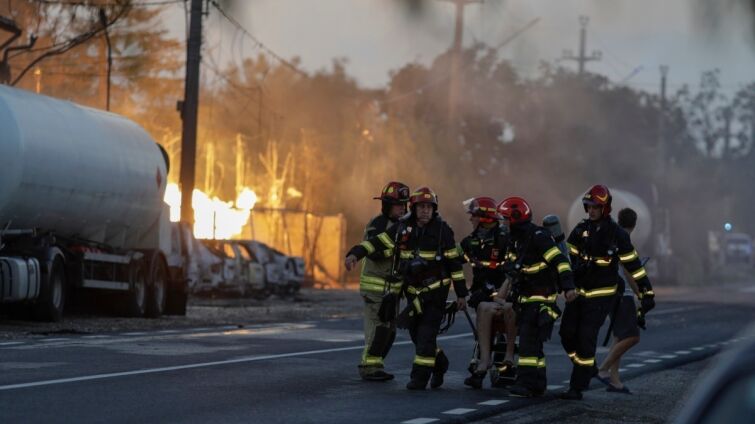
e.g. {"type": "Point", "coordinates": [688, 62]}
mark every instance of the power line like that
{"type": "Point", "coordinates": [257, 42]}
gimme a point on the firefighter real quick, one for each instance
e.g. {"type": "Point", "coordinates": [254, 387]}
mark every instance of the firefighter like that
{"type": "Point", "coordinates": [484, 250]}
{"type": "Point", "coordinates": [375, 282]}
{"type": "Point", "coordinates": [538, 271]}
{"type": "Point", "coordinates": [429, 263]}
{"type": "Point", "coordinates": [596, 246]}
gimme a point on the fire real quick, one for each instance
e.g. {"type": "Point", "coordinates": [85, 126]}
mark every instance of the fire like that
{"type": "Point", "coordinates": [213, 218]}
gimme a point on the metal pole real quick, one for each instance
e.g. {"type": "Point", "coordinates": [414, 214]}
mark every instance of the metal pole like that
{"type": "Point", "coordinates": [188, 110]}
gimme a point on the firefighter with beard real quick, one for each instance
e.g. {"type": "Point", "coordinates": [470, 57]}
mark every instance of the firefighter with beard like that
{"type": "Point", "coordinates": [596, 245]}
{"type": "Point", "coordinates": [375, 282]}
{"type": "Point", "coordinates": [484, 250]}
{"type": "Point", "coordinates": [429, 263]}
{"type": "Point", "coordinates": [538, 271]}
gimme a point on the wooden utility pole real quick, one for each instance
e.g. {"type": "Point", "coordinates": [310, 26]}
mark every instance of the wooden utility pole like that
{"type": "Point", "coordinates": [188, 108]}
{"type": "Point", "coordinates": [582, 58]}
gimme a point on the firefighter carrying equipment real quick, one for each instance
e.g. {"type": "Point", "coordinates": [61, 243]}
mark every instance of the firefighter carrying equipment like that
{"type": "Point", "coordinates": [516, 210]}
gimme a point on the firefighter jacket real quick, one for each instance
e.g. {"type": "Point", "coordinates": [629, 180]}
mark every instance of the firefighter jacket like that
{"type": "Point", "coordinates": [484, 250]}
{"type": "Point", "coordinates": [541, 269]}
{"type": "Point", "coordinates": [428, 257]}
{"type": "Point", "coordinates": [376, 269]}
{"type": "Point", "coordinates": [596, 249]}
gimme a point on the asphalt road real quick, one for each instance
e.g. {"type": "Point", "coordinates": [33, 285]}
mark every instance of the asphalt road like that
{"type": "Point", "coordinates": [300, 372]}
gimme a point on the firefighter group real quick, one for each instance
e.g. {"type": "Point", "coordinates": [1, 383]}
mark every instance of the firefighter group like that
{"type": "Point", "coordinates": [411, 259]}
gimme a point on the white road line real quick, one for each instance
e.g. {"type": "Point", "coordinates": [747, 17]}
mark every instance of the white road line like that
{"type": "Point", "coordinates": [493, 402]}
{"type": "Point", "coordinates": [698, 348]}
{"type": "Point", "coordinates": [96, 336]}
{"type": "Point", "coordinates": [168, 331]}
{"type": "Point", "coordinates": [554, 387]}
{"type": "Point", "coordinates": [667, 356]}
{"type": "Point", "coordinates": [628, 366]}
{"type": "Point", "coordinates": [59, 339]}
{"type": "Point", "coordinates": [622, 369]}
{"type": "Point", "coordinates": [11, 343]}
{"type": "Point", "coordinates": [201, 365]}
{"type": "Point", "coordinates": [420, 421]}
{"type": "Point", "coordinates": [137, 333]}
{"type": "Point", "coordinates": [652, 361]}
{"type": "Point", "coordinates": [458, 411]}
{"type": "Point", "coordinates": [566, 381]}
{"type": "Point", "coordinates": [682, 352]}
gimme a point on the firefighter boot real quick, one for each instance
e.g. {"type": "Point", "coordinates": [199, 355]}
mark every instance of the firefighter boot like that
{"type": "Point", "coordinates": [475, 380]}
{"type": "Point", "coordinates": [571, 394]}
{"type": "Point", "coordinates": [419, 377]}
{"type": "Point", "coordinates": [441, 366]}
{"type": "Point", "coordinates": [377, 375]}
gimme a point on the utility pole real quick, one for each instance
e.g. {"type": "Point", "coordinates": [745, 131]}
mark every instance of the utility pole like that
{"type": "Point", "coordinates": [582, 59]}
{"type": "Point", "coordinates": [454, 83]}
{"type": "Point", "coordinates": [188, 108]}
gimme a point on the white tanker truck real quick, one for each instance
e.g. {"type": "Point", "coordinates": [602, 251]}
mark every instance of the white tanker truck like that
{"type": "Point", "coordinates": [81, 206]}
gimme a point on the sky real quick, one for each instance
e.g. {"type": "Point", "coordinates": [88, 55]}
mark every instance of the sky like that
{"type": "Point", "coordinates": [635, 37]}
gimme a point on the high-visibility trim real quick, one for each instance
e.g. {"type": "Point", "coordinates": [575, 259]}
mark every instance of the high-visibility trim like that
{"type": "Point", "coordinates": [639, 273]}
{"type": "Point", "coordinates": [629, 256]}
{"type": "Point", "coordinates": [368, 360]}
{"type": "Point", "coordinates": [531, 361]}
{"type": "Point", "coordinates": [571, 355]}
{"type": "Point", "coordinates": [551, 253]}
{"type": "Point", "coordinates": [388, 253]}
{"type": "Point", "coordinates": [573, 249]}
{"type": "Point", "coordinates": [549, 311]}
{"type": "Point", "coordinates": [511, 256]}
{"type": "Point", "coordinates": [563, 267]}
{"type": "Point", "coordinates": [457, 275]}
{"type": "Point", "coordinates": [603, 291]}
{"type": "Point", "coordinates": [537, 298]}
{"type": "Point", "coordinates": [417, 305]}
{"type": "Point", "coordinates": [440, 283]}
{"type": "Point", "coordinates": [485, 264]}
{"type": "Point", "coordinates": [606, 261]}
{"type": "Point", "coordinates": [425, 361]}
{"type": "Point", "coordinates": [377, 285]}
{"type": "Point", "coordinates": [585, 362]}
{"type": "Point", "coordinates": [428, 254]}
{"type": "Point", "coordinates": [406, 254]}
{"type": "Point", "coordinates": [650, 292]}
{"type": "Point", "coordinates": [451, 253]}
{"type": "Point", "coordinates": [535, 268]}
{"type": "Point", "coordinates": [383, 237]}
{"type": "Point", "coordinates": [368, 246]}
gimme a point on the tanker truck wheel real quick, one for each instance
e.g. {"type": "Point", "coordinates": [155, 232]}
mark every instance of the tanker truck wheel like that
{"type": "Point", "coordinates": [136, 298]}
{"type": "Point", "coordinates": [52, 297]}
{"type": "Point", "coordinates": [158, 282]}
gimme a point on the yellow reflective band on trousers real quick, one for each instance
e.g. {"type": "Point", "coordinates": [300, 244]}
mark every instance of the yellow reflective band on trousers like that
{"type": "Point", "coordinates": [531, 361]}
{"type": "Point", "coordinates": [457, 275]}
{"type": "Point", "coordinates": [603, 291]}
{"type": "Point", "coordinates": [573, 249]}
{"type": "Point", "coordinates": [551, 253]}
{"type": "Point", "coordinates": [386, 240]}
{"type": "Point", "coordinates": [639, 273]}
{"type": "Point", "coordinates": [368, 246]}
{"type": "Point", "coordinates": [425, 361]}
{"type": "Point", "coordinates": [373, 361]}
{"type": "Point", "coordinates": [535, 268]}
{"type": "Point", "coordinates": [451, 253]}
{"type": "Point", "coordinates": [529, 299]}
{"type": "Point", "coordinates": [563, 267]}
{"type": "Point", "coordinates": [585, 362]}
{"type": "Point", "coordinates": [428, 254]}
{"type": "Point", "coordinates": [629, 256]}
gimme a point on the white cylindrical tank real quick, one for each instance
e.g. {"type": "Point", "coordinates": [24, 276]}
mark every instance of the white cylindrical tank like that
{"type": "Point", "coordinates": [621, 199]}
{"type": "Point", "coordinates": [78, 171]}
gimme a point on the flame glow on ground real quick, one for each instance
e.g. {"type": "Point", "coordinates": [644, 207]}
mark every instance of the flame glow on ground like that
{"type": "Point", "coordinates": [213, 218]}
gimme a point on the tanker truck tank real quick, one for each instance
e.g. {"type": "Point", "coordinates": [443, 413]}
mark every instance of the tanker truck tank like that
{"type": "Point", "coordinates": [81, 204]}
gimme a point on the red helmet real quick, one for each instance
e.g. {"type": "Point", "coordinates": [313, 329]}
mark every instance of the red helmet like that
{"type": "Point", "coordinates": [516, 210]}
{"type": "Point", "coordinates": [423, 195]}
{"type": "Point", "coordinates": [482, 207]}
{"type": "Point", "coordinates": [394, 192]}
{"type": "Point", "coordinates": [598, 195]}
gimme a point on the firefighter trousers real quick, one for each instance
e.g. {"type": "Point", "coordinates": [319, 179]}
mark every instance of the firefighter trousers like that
{"type": "Point", "coordinates": [580, 325]}
{"type": "Point", "coordinates": [378, 335]}
{"type": "Point", "coordinates": [424, 334]}
{"type": "Point", "coordinates": [531, 365]}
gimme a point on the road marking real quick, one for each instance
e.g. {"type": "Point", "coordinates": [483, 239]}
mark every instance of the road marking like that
{"type": "Point", "coordinates": [682, 352]}
{"type": "Point", "coordinates": [137, 333]}
{"type": "Point", "coordinates": [59, 339]}
{"type": "Point", "coordinates": [622, 369]}
{"type": "Point", "coordinates": [628, 366]}
{"type": "Point", "coordinates": [667, 356]}
{"type": "Point", "coordinates": [420, 421]}
{"type": "Point", "coordinates": [652, 361]}
{"type": "Point", "coordinates": [201, 329]}
{"type": "Point", "coordinates": [698, 348]}
{"type": "Point", "coordinates": [11, 343]}
{"type": "Point", "coordinates": [566, 381]}
{"type": "Point", "coordinates": [202, 365]}
{"type": "Point", "coordinates": [96, 336]}
{"type": "Point", "coordinates": [554, 387]}
{"type": "Point", "coordinates": [167, 331]}
{"type": "Point", "coordinates": [458, 411]}
{"type": "Point", "coordinates": [493, 402]}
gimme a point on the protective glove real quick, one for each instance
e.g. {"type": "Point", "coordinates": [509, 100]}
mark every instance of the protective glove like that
{"type": "Point", "coordinates": [647, 302]}
{"type": "Point", "coordinates": [641, 319]}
